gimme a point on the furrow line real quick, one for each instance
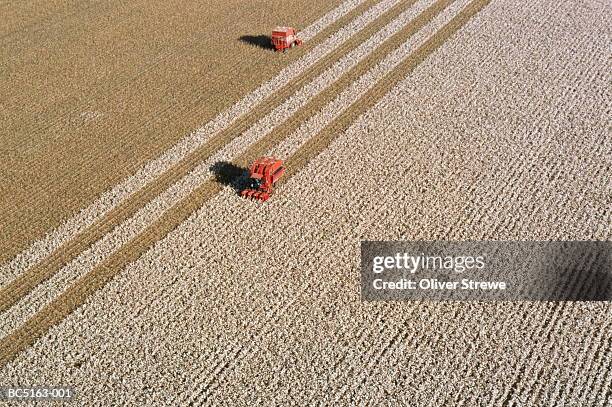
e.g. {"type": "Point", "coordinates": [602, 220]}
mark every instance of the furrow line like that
{"type": "Point", "coordinates": [238, 352]}
{"type": "Point", "coordinates": [553, 318]}
{"type": "Point", "coordinates": [534, 373]}
{"type": "Point", "coordinates": [596, 378]}
{"type": "Point", "coordinates": [568, 391]}
{"type": "Point", "coordinates": [214, 382]}
{"type": "Point", "coordinates": [528, 362]}
{"type": "Point", "coordinates": [581, 364]}
{"type": "Point", "coordinates": [458, 395]}
{"type": "Point", "coordinates": [400, 334]}
{"type": "Point", "coordinates": [604, 393]}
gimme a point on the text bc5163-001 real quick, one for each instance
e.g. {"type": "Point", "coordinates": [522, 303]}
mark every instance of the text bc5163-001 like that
{"type": "Point", "coordinates": [36, 393]}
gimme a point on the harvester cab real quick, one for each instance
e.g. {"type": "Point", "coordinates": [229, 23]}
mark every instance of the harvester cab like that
{"type": "Point", "coordinates": [263, 174]}
{"type": "Point", "coordinates": [285, 37]}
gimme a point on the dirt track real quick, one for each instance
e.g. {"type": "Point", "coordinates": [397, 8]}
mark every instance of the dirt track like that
{"type": "Point", "coordinates": [479, 141]}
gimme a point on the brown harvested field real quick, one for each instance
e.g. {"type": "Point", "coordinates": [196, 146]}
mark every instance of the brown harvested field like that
{"type": "Point", "coordinates": [430, 120]}
{"type": "Point", "coordinates": [91, 91]}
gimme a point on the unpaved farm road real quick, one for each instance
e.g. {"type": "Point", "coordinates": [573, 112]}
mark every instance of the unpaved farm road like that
{"type": "Point", "coordinates": [475, 120]}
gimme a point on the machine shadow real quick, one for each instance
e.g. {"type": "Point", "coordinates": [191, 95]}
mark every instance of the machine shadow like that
{"type": "Point", "coordinates": [261, 41]}
{"type": "Point", "coordinates": [230, 174]}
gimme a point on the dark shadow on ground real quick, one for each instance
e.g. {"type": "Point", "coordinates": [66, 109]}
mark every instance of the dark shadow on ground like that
{"type": "Point", "coordinates": [230, 174]}
{"type": "Point", "coordinates": [261, 41]}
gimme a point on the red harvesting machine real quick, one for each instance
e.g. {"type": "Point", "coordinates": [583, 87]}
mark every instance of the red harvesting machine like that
{"type": "Point", "coordinates": [285, 37]}
{"type": "Point", "coordinates": [263, 174]}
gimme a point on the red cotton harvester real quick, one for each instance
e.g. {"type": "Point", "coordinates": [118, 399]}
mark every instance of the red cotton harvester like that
{"type": "Point", "coordinates": [285, 37]}
{"type": "Point", "coordinates": [263, 174]}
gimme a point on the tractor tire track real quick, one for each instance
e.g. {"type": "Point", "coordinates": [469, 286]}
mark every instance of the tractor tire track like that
{"type": "Point", "coordinates": [73, 297]}
{"type": "Point", "coordinates": [110, 199]}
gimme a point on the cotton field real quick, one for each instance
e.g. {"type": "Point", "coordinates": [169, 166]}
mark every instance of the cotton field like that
{"type": "Point", "coordinates": [416, 120]}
